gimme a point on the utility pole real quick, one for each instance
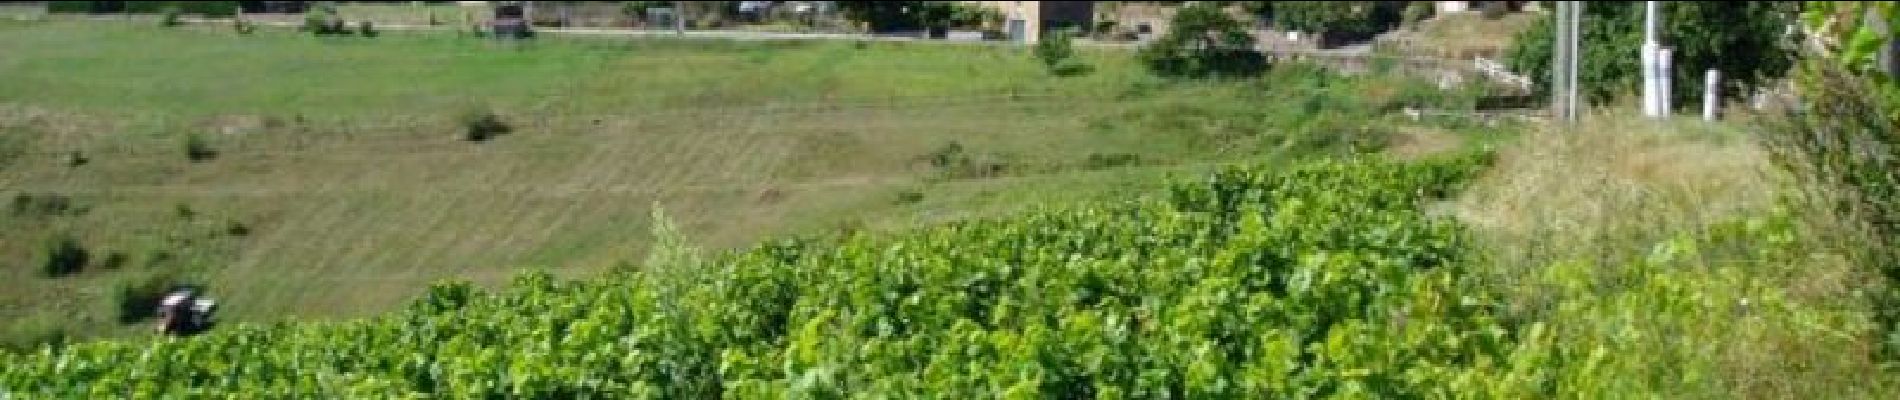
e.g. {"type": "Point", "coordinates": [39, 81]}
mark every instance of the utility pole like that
{"type": "Point", "coordinates": [1652, 71]}
{"type": "Point", "coordinates": [1566, 54]}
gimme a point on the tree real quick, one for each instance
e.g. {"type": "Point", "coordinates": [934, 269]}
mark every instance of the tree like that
{"type": "Point", "coordinates": [1338, 21]}
{"type": "Point", "coordinates": [884, 16]}
{"type": "Point", "coordinates": [1743, 40]}
{"type": "Point", "coordinates": [1202, 41]}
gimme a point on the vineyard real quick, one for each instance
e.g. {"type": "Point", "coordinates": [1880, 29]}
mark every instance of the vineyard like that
{"type": "Point", "coordinates": [1320, 280]}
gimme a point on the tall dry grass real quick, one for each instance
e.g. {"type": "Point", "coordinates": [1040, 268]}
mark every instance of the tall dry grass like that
{"type": "Point", "coordinates": [1673, 260]}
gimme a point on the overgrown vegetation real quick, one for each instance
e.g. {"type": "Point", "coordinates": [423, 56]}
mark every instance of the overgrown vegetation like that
{"type": "Point", "coordinates": [1203, 41]}
{"type": "Point", "coordinates": [1746, 41]}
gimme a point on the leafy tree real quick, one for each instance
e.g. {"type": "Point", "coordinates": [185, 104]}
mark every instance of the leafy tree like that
{"type": "Point", "coordinates": [1743, 40]}
{"type": "Point", "coordinates": [1203, 40]}
{"type": "Point", "coordinates": [1339, 20]}
{"type": "Point", "coordinates": [884, 16]}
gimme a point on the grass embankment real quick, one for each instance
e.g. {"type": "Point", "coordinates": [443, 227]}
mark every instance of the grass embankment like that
{"type": "Point", "coordinates": [341, 184]}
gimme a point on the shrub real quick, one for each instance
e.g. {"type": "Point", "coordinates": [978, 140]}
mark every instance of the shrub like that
{"type": "Point", "coordinates": [236, 228]}
{"type": "Point", "coordinates": [64, 256]}
{"type": "Point", "coordinates": [1204, 41]}
{"type": "Point", "coordinates": [1112, 160]}
{"type": "Point", "coordinates": [170, 17]}
{"type": "Point", "coordinates": [1057, 53]}
{"type": "Point", "coordinates": [366, 29]}
{"type": "Point", "coordinates": [198, 149]}
{"type": "Point", "coordinates": [242, 26]}
{"type": "Point", "coordinates": [322, 21]}
{"type": "Point", "coordinates": [910, 197]}
{"type": "Point", "coordinates": [482, 124]}
{"type": "Point", "coordinates": [76, 159]}
{"type": "Point", "coordinates": [42, 205]}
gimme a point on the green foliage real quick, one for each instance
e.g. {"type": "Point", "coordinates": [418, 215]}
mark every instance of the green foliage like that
{"type": "Point", "coordinates": [30, 205]}
{"type": "Point", "coordinates": [204, 8]}
{"type": "Point", "coordinates": [885, 16]}
{"type": "Point", "coordinates": [1339, 21]}
{"type": "Point", "coordinates": [322, 20]}
{"type": "Point", "coordinates": [1743, 40]}
{"type": "Point", "coordinates": [169, 17]}
{"type": "Point", "coordinates": [243, 26]}
{"type": "Point", "coordinates": [1058, 54]}
{"type": "Point", "coordinates": [198, 149]}
{"type": "Point", "coordinates": [1203, 41]}
{"type": "Point", "coordinates": [366, 28]}
{"type": "Point", "coordinates": [72, 6]}
{"type": "Point", "coordinates": [480, 124]}
{"type": "Point", "coordinates": [1844, 32]}
{"type": "Point", "coordinates": [64, 256]}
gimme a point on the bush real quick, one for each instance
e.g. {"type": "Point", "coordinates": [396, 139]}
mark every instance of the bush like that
{"type": "Point", "coordinates": [42, 205]}
{"type": "Point", "coordinates": [1743, 40]}
{"type": "Point", "coordinates": [64, 256]}
{"type": "Point", "coordinates": [910, 197]}
{"type": "Point", "coordinates": [1112, 160]}
{"type": "Point", "coordinates": [366, 29]}
{"type": "Point", "coordinates": [482, 124]}
{"type": "Point", "coordinates": [169, 17]}
{"type": "Point", "coordinates": [1204, 41]}
{"type": "Point", "coordinates": [198, 149]}
{"type": "Point", "coordinates": [243, 27]}
{"type": "Point", "coordinates": [323, 21]}
{"type": "Point", "coordinates": [1057, 53]}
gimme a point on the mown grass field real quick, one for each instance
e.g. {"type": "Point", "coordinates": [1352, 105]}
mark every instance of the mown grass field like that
{"type": "Point", "coordinates": [341, 160]}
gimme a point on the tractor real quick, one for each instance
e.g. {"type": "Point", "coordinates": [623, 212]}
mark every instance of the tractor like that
{"type": "Point", "coordinates": [185, 311]}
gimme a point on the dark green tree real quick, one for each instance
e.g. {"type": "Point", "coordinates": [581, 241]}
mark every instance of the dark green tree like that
{"type": "Point", "coordinates": [1204, 41]}
{"type": "Point", "coordinates": [1744, 40]}
{"type": "Point", "coordinates": [1338, 21]}
{"type": "Point", "coordinates": [885, 16]}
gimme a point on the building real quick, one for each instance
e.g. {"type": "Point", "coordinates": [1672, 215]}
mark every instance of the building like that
{"type": "Point", "coordinates": [1026, 21]}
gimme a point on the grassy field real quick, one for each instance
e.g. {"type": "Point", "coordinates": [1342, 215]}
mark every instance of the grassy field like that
{"type": "Point", "coordinates": [342, 185]}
